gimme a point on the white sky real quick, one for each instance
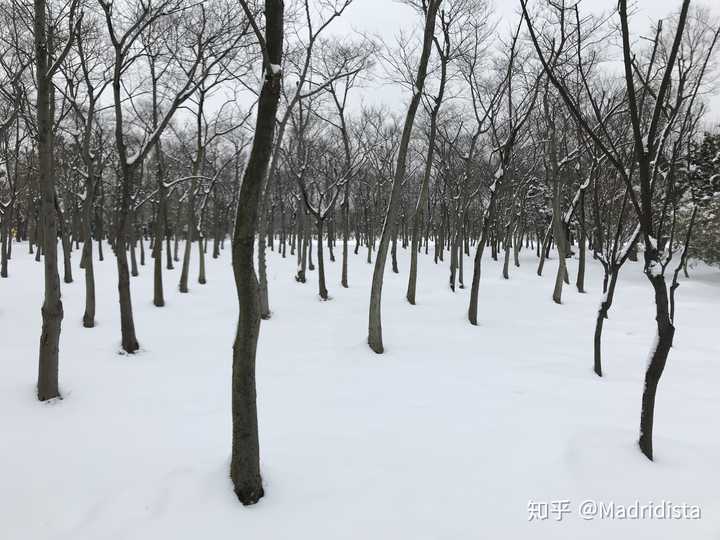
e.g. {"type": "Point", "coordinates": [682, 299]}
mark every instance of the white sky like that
{"type": "Point", "coordinates": [386, 18]}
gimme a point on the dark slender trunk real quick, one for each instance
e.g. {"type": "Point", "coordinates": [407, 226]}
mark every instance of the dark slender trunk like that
{"type": "Point", "coordinates": [190, 224]}
{"type": "Point", "coordinates": [656, 365]}
{"type": "Point", "coordinates": [477, 263]}
{"type": "Point", "coordinates": [302, 248]}
{"type": "Point", "coordinates": [52, 309]}
{"type": "Point", "coordinates": [545, 248]}
{"type": "Point", "coordinates": [66, 247]}
{"type": "Point", "coordinates": [133, 259]}
{"type": "Point", "coordinates": [346, 237]}
{"type": "Point", "coordinates": [322, 290]}
{"type": "Point", "coordinates": [168, 248]}
{"type": "Point", "coordinates": [393, 253]}
{"type": "Point", "coordinates": [202, 243]}
{"type": "Point", "coordinates": [580, 281]}
{"type": "Point", "coordinates": [461, 282]}
{"type": "Point", "coordinates": [605, 305]}
{"type": "Point", "coordinates": [4, 248]}
{"type": "Point", "coordinates": [506, 249]}
{"type": "Point", "coordinates": [374, 317]}
{"type": "Point", "coordinates": [88, 265]}
{"type": "Point", "coordinates": [141, 239]}
{"type": "Point", "coordinates": [245, 462]}
{"type": "Point", "coordinates": [311, 266]}
{"type": "Point", "coordinates": [160, 224]}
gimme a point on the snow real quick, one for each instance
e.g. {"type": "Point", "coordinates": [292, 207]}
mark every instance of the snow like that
{"type": "Point", "coordinates": [450, 434]}
{"type": "Point", "coordinates": [275, 69]}
{"type": "Point", "coordinates": [655, 269]}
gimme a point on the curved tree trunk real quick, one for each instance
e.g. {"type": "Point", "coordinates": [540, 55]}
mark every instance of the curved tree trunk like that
{"type": "Point", "coordinates": [477, 263]}
{"type": "Point", "coordinates": [245, 462]}
{"type": "Point", "coordinates": [605, 306]}
{"type": "Point", "coordinates": [656, 365]}
{"type": "Point", "coordinates": [374, 317]}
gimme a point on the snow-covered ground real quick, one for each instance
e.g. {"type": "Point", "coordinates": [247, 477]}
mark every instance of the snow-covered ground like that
{"type": "Point", "coordinates": [448, 435]}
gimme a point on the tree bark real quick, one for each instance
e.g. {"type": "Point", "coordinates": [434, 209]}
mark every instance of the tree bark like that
{"type": "Point", "coordinates": [52, 308]}
{"type": "Point", "coordinates": [374, 318]}
{"type": "Point", "coordinates": [245, 462]}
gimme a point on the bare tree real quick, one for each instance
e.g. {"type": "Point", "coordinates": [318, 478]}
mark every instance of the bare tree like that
{"type": "Point", "coordinates": [245, 464]}
{"type": "Point", "coordinates": [374, 320]}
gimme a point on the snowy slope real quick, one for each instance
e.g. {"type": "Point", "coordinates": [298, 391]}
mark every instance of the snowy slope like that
{"type": "Point", "coordinates": [448, 435]}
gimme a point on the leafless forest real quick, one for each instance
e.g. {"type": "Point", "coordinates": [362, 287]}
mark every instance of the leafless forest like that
{"type": "Point", "coordinates": [160, 133]}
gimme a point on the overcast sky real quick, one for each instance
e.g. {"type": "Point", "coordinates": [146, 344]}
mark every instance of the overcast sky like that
{"type": "Point", "coordinates": [386, 18]}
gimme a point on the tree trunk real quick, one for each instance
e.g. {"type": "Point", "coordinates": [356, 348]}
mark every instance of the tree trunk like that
{"type": "Point", "coordinates": [374, 318]}
{"type": "Point", "coordinates": [656, 365]}
{"type": "Point", "coordinates": [190, 224]}
{"type": "Point", "coordinates": [477, 263]}
{"type": "Point", "coordinates": [605, 306]}
{"type": "Point", "coordinates": [87, 256]}
{"type": "Point", "coordinates": [322, 290]}
{"type": "Point", "coordinates": [52, 309]}
{"type": "Point", "coordinates": [544, 249]}
{"type": "Point", "coordinates": [245, 462]}
{"type": "Point", "coordinates": [393, 253]}
{"type": "Point", "coordinates": [4, 249]}
{"type": "Point", "coordinates": [302, 248]}
{"type": "Point", "coordinates": [346, 238]}
{"type": "Point", "coordinates": [160, 224]}
{"type": "Point", "coordinates": [580, 281]}
{"type": "Point", "coordinates": [202, 243]}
